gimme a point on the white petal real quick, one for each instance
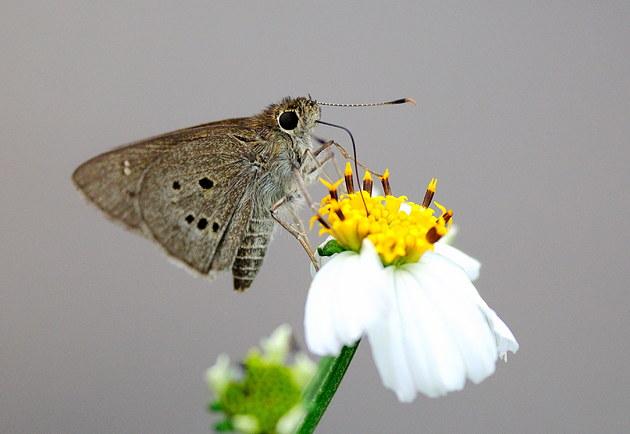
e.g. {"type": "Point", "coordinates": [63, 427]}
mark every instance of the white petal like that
{"type": "Point", "coordinates": [467, 263]}
{"type": "Point", "coordinates": [246, 423]}
{"type": "Point", "coordinates": [303, 369]}
{"type": "Point", "coordinates": [434, 358]}
{"type": "Point", "coordinates": [388, 349]}
{"type": "Point", "coordinates": [318, 323]}
{"type": "Point", "coordinates": [289, 422]}
{"type": "Point", "coordinates": [344, 299]}
{"type": "Point", "coordinates": [360, 302]}
{"type": "Point", "coordinates": [447, 287]}
{"type": "Point", "coordinates": [276, 346]}
{"type": "Point", "coordinates": [220, 374]}
{"type": "Point", "coordinates": [504, 338]}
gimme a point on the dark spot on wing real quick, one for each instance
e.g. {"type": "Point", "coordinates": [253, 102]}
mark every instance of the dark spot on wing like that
{"type": "Point", "coordinates": [202, 224]}
{"type": "Point", "coordinates": [190, 218]}
{"type": "Point", "coordinates": [176, 185]}
{"type": "Point", "coordinates": [206, 183]}
{"type": "Point", "coordinates": [215, 227]}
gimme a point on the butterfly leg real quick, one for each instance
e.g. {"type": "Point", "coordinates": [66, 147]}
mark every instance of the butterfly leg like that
{"type": "Point", "coordinates": [301, 185]}
{"type": "Point", "coordinates": [324, 144]}
{"type": "Point", "coordinates": [298, 232]}
{"type": "Point", "coordinates": [344, 153]}
{"type": "Point", "coordinates": [316, 166]}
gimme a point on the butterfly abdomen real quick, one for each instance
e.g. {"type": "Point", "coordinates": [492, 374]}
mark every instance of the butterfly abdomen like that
{"type": "Point", "coordinates": [251, 252]}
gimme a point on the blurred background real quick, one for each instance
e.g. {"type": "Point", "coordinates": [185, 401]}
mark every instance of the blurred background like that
{"type": "Point", "coordinates": [522, 115]}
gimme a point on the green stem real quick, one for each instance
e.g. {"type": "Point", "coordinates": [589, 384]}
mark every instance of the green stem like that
{"type": "Point", "coordinates": [322, 388]}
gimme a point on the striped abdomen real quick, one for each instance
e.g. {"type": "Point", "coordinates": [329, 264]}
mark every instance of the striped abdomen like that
{"type": "Point", "coordinates": [250, 254]}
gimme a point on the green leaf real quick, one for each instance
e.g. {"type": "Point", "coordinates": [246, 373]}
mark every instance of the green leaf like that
{"type": "Point", "coordinates": [330, 248]}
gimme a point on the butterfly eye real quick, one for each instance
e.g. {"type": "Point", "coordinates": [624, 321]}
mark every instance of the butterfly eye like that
{"type": "Point", "coordinates": [288, 120]}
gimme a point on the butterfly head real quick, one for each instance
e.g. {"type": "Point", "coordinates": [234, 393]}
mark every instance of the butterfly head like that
{"type": "Point", "coordinates": [294, 116]}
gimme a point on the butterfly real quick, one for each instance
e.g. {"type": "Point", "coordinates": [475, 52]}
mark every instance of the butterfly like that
{"type": "Point", "coordinates": [205, 193]}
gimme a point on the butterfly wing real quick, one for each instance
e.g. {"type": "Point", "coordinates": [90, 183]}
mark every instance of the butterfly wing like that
{"type": "Point", "coordinates": [189, 198]}
{"type": "Point", "coordinates": [192, 191]}
{"type": "Point", "coordinates": [112, 180]}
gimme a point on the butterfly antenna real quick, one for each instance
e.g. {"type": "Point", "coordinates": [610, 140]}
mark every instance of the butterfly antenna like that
{"type": "Point", "coordinates": [354, 154]}
{"type": "Point", "coordinates": [371, 104]}
{"type": "Point", "coordinates": [354, 147]}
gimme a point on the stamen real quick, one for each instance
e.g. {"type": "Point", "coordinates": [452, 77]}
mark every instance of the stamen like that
{"type": "Point", "coordinates": [347, 174]}
{"type": "Point", "coordinates": [433, 235]}
{"type": "Point", "coordinates": [332, 188]}
{"type": "Point", "coordinates": [340, 214]}
{"type": "Point", "coordinates": [367, 182]}
{"type": "Point", "coordinates": [323, 222]}
{"type": "Point", "coordinates": [428, 196]}
{"type": "Point", "coordinates": [441, 207]}
{"type": "Point", "coordinates": [387, 189]}
{"type": "Point", "coordinates": [447, 216]}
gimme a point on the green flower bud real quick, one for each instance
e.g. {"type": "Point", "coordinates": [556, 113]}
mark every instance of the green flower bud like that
{"type": "Point", "coordinates": [266, 396]}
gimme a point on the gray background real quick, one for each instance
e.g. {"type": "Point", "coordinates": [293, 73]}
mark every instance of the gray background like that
{"type": "Point", "coordinates": [522, 114]}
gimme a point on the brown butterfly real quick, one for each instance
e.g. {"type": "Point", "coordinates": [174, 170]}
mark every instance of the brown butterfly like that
{"type": "Point", "coordinates": [205, 193]}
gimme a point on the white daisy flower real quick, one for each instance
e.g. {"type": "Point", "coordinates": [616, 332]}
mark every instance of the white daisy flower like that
{"type": "Point", "coordinates": [411, 294]}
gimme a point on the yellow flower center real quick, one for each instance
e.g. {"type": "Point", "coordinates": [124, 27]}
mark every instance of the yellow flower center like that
{"type": "Point", "coordinates": [400, 230]}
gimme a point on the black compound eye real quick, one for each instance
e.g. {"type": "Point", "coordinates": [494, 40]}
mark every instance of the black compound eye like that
{"type": "Point", "coordinates": [288, 120]}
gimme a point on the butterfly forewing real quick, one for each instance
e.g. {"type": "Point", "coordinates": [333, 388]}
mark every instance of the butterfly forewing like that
{"type": "Point", "coordinates": [182, 189]}
{"type": "Point", "coordinates": [188, 202]}
{"type": "Point", "coordinates": [112, 180]}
